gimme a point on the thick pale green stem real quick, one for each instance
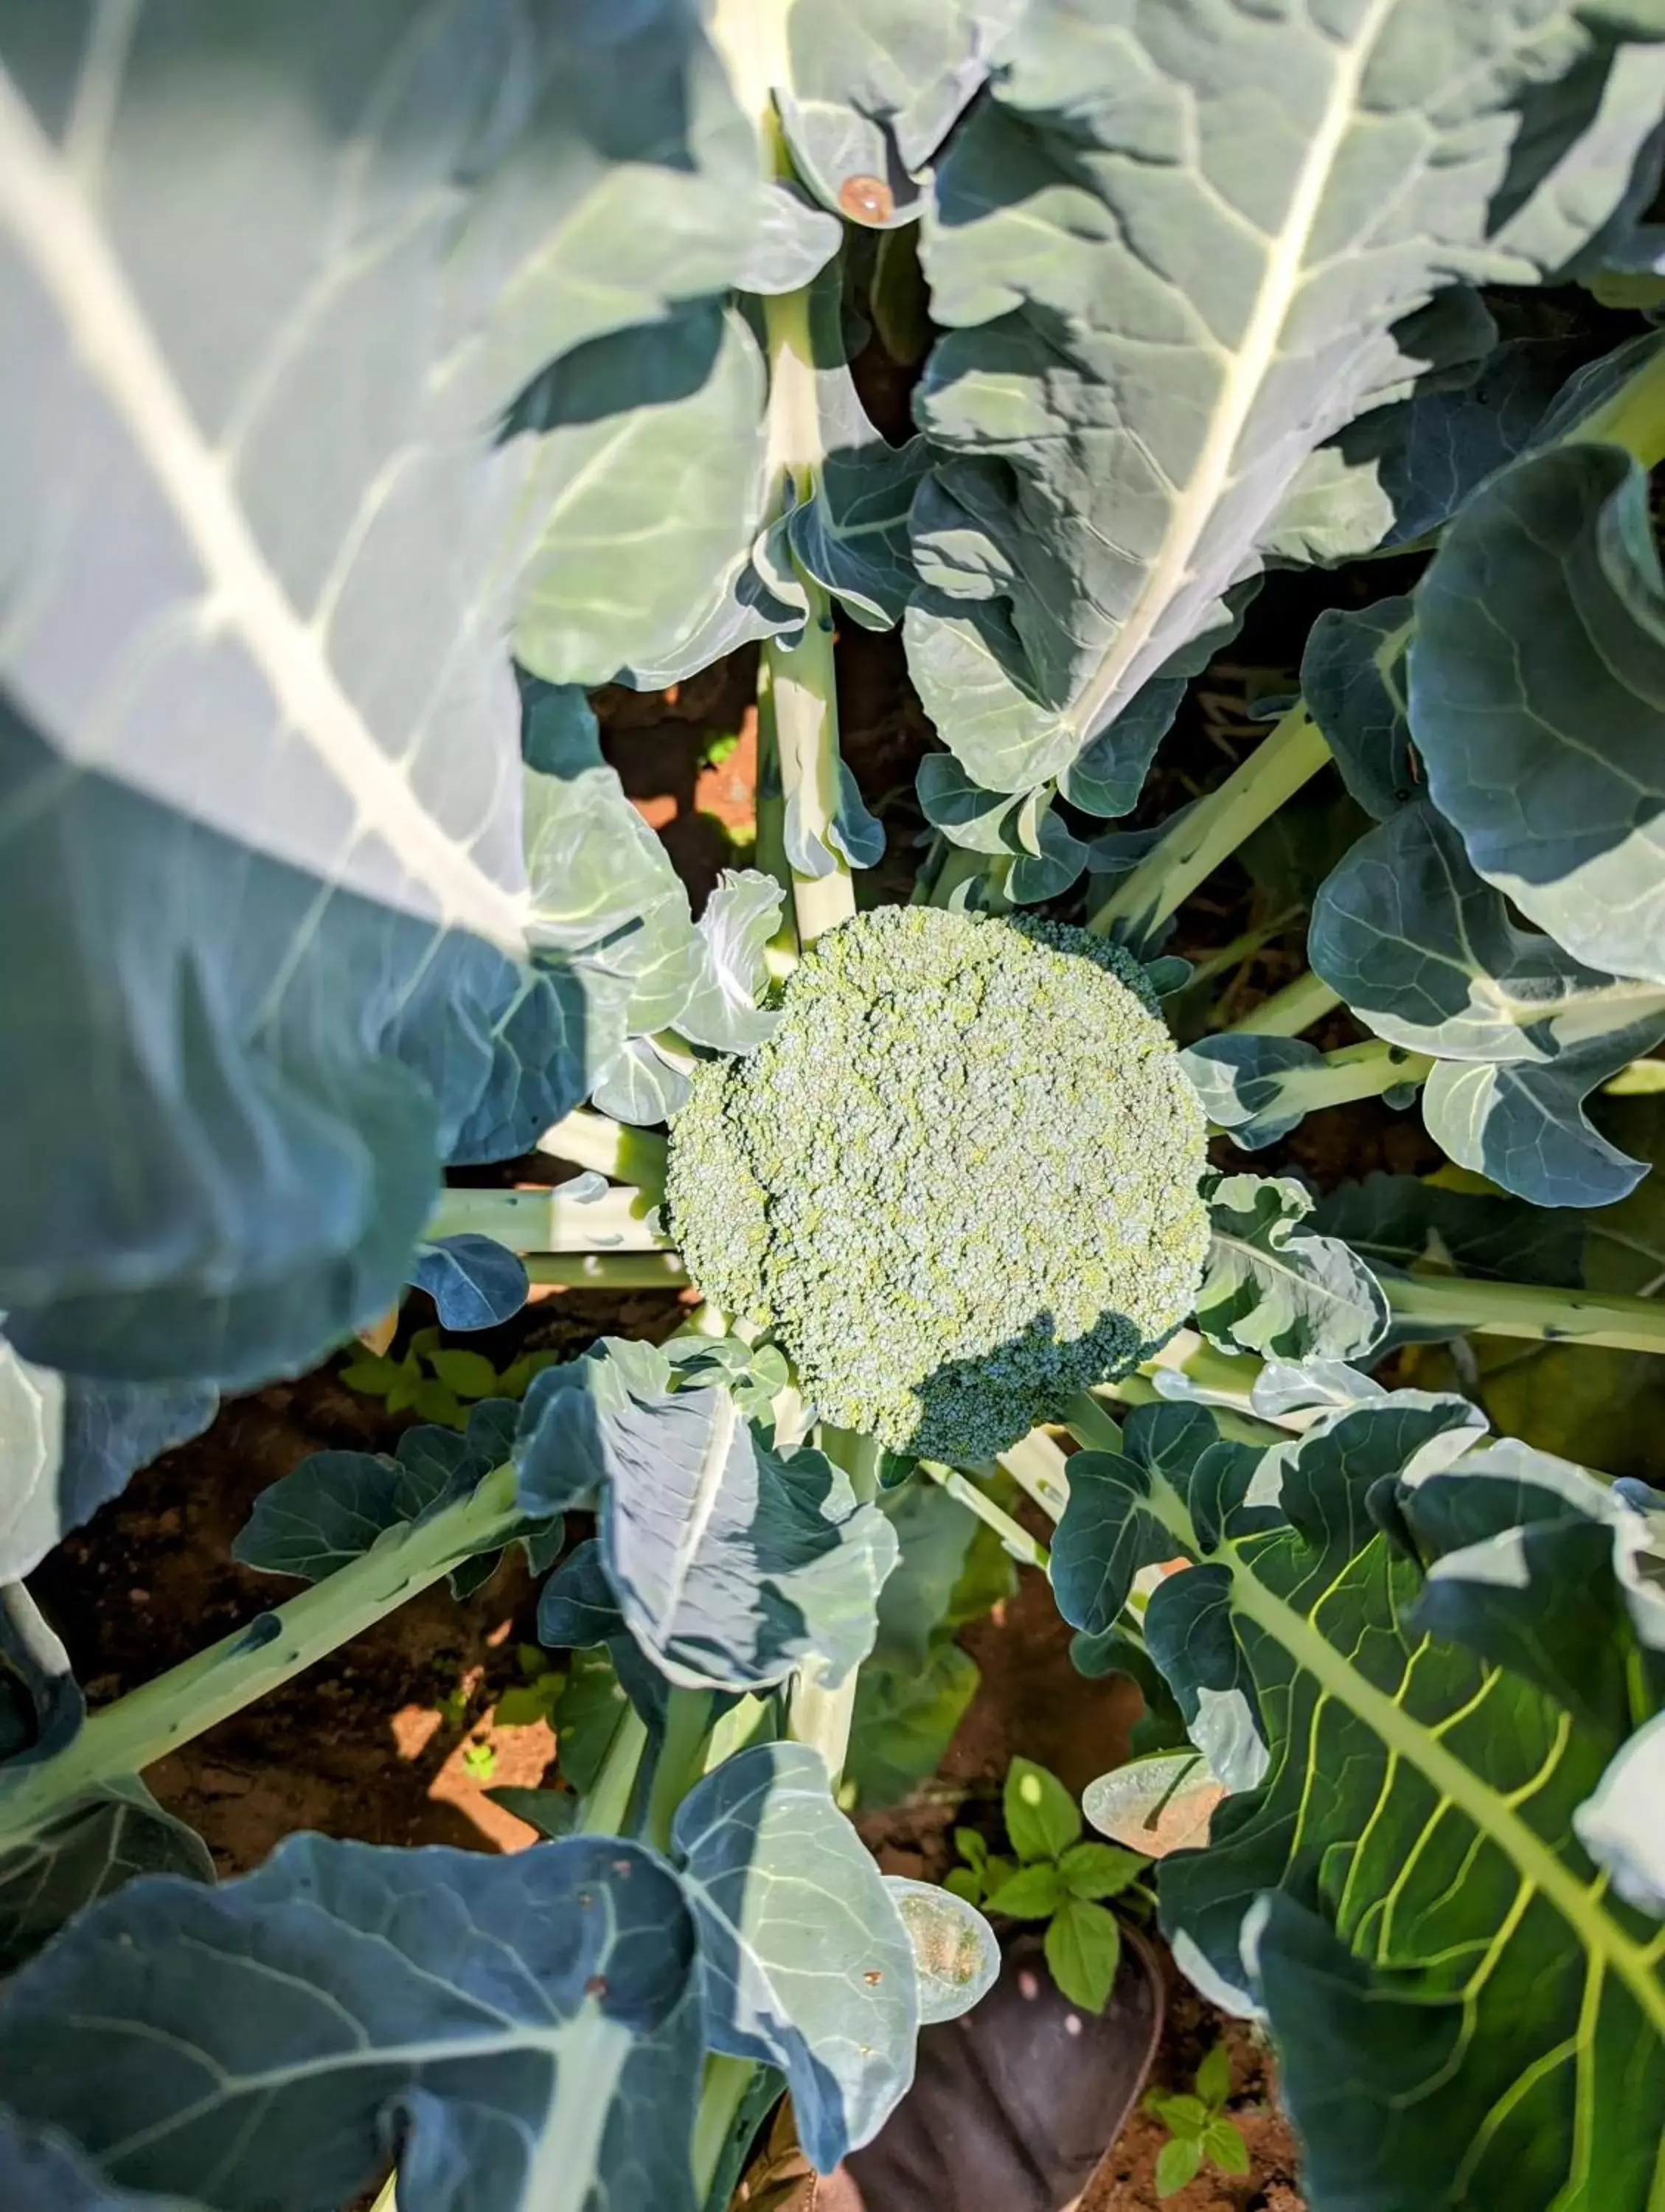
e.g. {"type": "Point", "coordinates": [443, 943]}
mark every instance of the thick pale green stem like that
{"type": "Point", "coordinates": [726, 2082]}
{"type": "Point", "coordinates": [618, 1221]}
{"type": "Point", "coordinates": [1093, 1425]}
{"type": "Point", "coordinates": [1023, 1547]}
{"type": "Point", "coordinates": [1288, 1012]}
{"type": "Point", "coordinates": [1530, 1311]}
{"type": "Point", "coordinates": [608, 1271]}
{"type": "Point", "coordinates": [125, 1737]}
{"type": "Point", "coordinates": [607, 1806]}
{"type": "Point", "coordinates": [1040, 1468]}
{"type": "Point", "coordinates": [595, 1140]}
{"type": "Point", "coordinates": [1357, 1070]}
{"type": "Point", "coordinates": [1192, 847]}
{"type": "Point", "coordinates": [819, 1711]}
{"type": "Point", "coordinates": [680, 1763]}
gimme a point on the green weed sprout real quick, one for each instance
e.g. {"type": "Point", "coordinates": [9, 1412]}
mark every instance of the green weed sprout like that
{"type": "Point", "coordinates": [959, 1181]}
{"type": "Point", "coordinates": [1198, 2127]}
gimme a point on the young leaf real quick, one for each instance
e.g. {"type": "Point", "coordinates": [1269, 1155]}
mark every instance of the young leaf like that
{"type": "Point", "coordinates": [955, 1951]}
{"type": "Point", "coordinates": [1178, 2163]}
{"type": "Point", "coordinates": [375, 1376]}
{"type": "Point", "coordinates": [1187, 2117]}
{"type": "Point", "coordinates": [805, 1961]}
{"type": "Point", "coordinates": [1033, 1893]}
{"type": "Point", "coordinates": [1041, 1818]}
{"type": "Point", "coordinates": [466, 1374]}
{"type": "Point", "coordinates": [1083, 1949]}
{"type": "Point", "coordinates": [1214, 2077]}
{"type": "Point", "coordinates": [971, 1847]}
{"type": "Point", "coordinates": [473, 1280]}
{"type": "Point", "coordinates": [1224, 2143]}
{"type": "Point", "coordinates": [516, 2028]}
{"type": "Point", "coordinates": [964, 1882]}
{"type": "Point", "coordinates": [1095, 1870]}
{"type": "Point", "coordinates": [1271, 1285]}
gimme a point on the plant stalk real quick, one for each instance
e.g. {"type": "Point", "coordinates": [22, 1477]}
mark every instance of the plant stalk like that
{"type": "Point", "coordinates": [1040, 1468]}
{"type": "Point", "coordinates": [1528, 1310]}
{"type": "Point", "coordinates": [819, 1711]}
{"type": "Point", "coordinates": [1024, 1548]}
{"type": "Point", "coordinates": [607, 1806]}
{"type": "Point", "coordinates": [595, 1140]}
{"type": "Point", "coordinates": [618, 1221]}
{"type": "Point", "coordinates": [1288, 1012]}
{"type": "Point", "coordinates": [680, 1763]}
{"type": "Point", "coordinates": [1357, 1070]}
{"type": "Point", "coordinates": [131, 1734]}
{"type": "Point", "coordinates": [726, 2082]}
{"type": "Point", "coordinates": [610, 1271]}
{"type": "Point", "coordinates": [1193, 847]}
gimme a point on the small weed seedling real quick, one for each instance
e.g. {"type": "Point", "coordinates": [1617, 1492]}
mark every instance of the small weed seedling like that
{"type": "Point", "coordinates": [1052, 1875]}
{"type": "Point", "coordinates": [440, 1382]}
{"type": "Point", "coordinates": [1198, 2129]}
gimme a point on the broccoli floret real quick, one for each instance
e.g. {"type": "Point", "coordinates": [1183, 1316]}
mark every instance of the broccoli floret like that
{"type": "Point", "coordinates": [959, 1181]}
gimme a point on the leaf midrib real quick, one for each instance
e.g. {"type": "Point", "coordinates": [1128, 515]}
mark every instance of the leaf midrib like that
{"type": "Point", "coordinates": [59, 238]}
{"type": "Point", "coordinates": [1530, 1856]}
{"type": "Point", "coordinates": [1281, 280]}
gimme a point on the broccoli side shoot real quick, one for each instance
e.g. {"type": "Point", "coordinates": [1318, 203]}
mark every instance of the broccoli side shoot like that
{"type": "Point", "coordinates": [959, 1181]}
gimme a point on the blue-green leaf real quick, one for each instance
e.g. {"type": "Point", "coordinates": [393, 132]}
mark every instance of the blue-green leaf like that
{"type": "Point", "coordinates": [1541, 726]}
{"type": "Point", "coordinates": [731, 1561]}
{"type": "Point", "coordinates": [530, 2025]}
{"type": "Point", "coordinates": [1427, 952]}
{"type": "Point", "coordinates": [804, 1959]}
{"type": "Point", "coordinates": [474, 1281]}
{"type": "Point", "coordinates": [724, 1009]}
{"type": "Point", "coordinates": [40, 2172]}
{"type": "Point", "coordinates": [337, 1504]}
{"type": "Point", "coordinates": [89, 1849]}
{"type": "Point", "coordinates": [68, 1443]}
{"type": "Point", "coordinates": [360, 966]}
{"type": "Point", "coordinates": [1444, 1970]}
{"type": "Point", "coordinates": [956, 1956]}
{"type": "Point", "coordinates": [1271, 1286]}
{"type": "Point", "coordinates": [1154, 313]}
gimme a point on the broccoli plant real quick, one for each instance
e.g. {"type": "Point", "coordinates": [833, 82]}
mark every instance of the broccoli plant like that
{"type": "Point", "coordinates": [380, 385]}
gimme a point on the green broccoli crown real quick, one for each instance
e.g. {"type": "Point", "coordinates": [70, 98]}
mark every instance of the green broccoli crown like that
{"type": "Point", "coordinates": [959, 1182]}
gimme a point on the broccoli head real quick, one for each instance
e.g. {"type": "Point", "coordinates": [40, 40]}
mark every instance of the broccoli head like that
{"type": "Point", "coordinates": [959, 1182]}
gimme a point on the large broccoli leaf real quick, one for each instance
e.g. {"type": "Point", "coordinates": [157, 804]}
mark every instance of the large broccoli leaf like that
{"type": "Point", "coordinates": [805, 1961]}
{"type": "Point", "coordinates": [42, 2173]}
{"type": "Point", "coordinates": [1428, 953]}
{"type": "Point", "coordinates": [527, 2027]}
{"type": "Point", "coordinates": [1157, 307]}
{"type": "Point", "coordinates": [1541, 724]}
{"type": "Point", "coordinates": [732, 1562]}
{"type": "Point", "coordinates": [284, 927]}
{"type": "Point", "coordinates": [1425, 1893]}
